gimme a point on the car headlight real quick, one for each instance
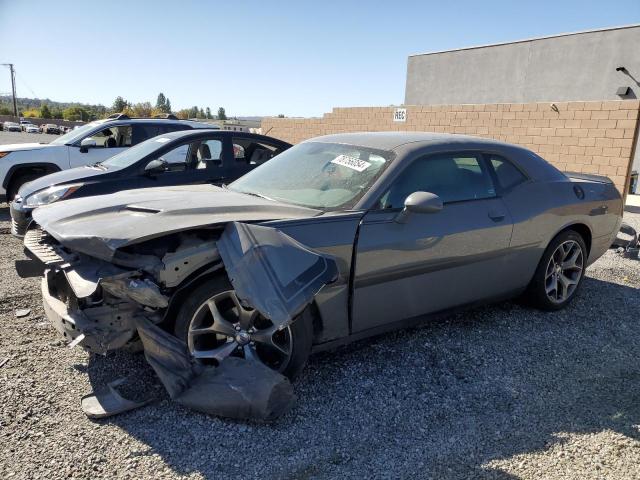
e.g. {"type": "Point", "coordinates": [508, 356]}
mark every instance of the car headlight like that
{"type": "Point", "coordinates": [50, 195]}
{"type": "Point", "coordinates": [4, 154]}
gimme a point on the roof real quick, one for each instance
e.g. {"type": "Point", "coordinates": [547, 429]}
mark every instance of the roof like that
{"type": "Point", "coordinates": [391, 140]}
{"type": "Point", "coordinates": [581, 32]}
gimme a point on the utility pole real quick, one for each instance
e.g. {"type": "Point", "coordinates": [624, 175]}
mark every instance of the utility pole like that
{"type": "Point", "coordinates": [13, 89]}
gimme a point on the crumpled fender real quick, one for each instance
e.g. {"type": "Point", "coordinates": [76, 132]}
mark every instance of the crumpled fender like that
{"type": "Point", "coordinates": [272, 272]}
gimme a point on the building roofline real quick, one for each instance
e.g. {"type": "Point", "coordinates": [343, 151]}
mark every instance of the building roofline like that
{"type": "Point", "coordinates": [532, 39]}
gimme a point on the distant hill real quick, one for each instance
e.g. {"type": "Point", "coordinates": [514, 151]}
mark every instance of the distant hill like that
{"type": "Point", "coordinates": [31, 103]}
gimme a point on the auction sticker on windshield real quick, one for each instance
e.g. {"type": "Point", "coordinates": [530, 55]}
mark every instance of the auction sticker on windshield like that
{"type": "Point", "coordinates": [351, 162]}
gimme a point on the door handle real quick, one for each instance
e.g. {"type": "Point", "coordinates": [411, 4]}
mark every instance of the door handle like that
{"type": "Point", "coordinates": [496, 216]}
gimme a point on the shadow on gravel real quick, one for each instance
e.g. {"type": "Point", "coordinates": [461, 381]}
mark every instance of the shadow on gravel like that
{"type": "Point", "coordinates": [438, 401]}
{"type": "Point", "coordinates": [5, 216]}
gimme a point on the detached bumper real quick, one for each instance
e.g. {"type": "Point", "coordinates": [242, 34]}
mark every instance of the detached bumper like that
{"type": "Point", "coordinates": [58, 314]}
{"type": "Point", "coordinates": [97, 329]}
{"type": "Point", "coordinates": [20, 219]}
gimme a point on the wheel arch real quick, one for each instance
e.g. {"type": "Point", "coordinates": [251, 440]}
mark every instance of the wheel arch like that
{"type": "Point", "coordinates": [22, 168]}
{"type": "Point", "coordinates": [580, 228]}
{"type": "Point", "coordinates": [208, 272]}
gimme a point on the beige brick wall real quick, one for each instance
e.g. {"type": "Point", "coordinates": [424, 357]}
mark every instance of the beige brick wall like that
{"type": "Point", "coordinates": [588, 137]}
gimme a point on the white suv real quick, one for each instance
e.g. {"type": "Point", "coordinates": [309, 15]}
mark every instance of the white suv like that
{"type": "Point", "coordinates": [87, 145]}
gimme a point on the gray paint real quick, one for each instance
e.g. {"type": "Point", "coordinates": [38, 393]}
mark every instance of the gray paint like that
{"type": "Point", "coordinates": [580, 67]}
{"type": "Point", "coordinates": [470, 251]}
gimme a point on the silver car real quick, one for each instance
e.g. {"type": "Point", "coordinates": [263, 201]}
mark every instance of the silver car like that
{"type": "Point", "coordinates": [416, 224]}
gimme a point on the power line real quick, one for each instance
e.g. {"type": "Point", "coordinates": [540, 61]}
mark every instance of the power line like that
{"type": "Point", "coordinates": [22, 80]}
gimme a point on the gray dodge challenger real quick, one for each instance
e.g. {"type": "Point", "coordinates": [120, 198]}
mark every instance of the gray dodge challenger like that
{"type": "Point", "coordinates": [338, 238]}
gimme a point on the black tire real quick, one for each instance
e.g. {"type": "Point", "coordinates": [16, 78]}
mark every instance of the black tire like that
{"type": "Point", "coordinates": [536, 294]}
{"type": "Point", "coordinates": [301, 329]}
{"type": "Point", "coordinates": [20, 180]}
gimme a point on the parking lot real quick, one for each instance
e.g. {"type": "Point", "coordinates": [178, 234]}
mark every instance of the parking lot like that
{"type": "Point", "coordinates": [22, 137]}
{"type": "Point", "coordinates": [498, 392]}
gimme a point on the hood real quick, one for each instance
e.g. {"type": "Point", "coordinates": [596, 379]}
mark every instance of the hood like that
{"type": "Point", "coordinates": [16, 147]}
{"type": "Point", "coordinates": [72, 175]}
{"type": "Point", "coordinates": [98, 226]}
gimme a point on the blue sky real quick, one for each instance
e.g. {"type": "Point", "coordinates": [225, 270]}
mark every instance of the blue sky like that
{"type": "Point", "coordinates": [300, 58]}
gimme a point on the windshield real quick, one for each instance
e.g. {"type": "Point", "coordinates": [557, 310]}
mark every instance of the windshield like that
{"type": "Point", "coordinates": [75, 135]}
{"type": "Point", "coordinates": [135, 153]}
{"type": "Point", "coordinates": [316, 175]}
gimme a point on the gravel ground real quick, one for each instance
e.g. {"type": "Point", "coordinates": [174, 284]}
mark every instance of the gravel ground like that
{"type": "Point", "coordinates": [500, 392]}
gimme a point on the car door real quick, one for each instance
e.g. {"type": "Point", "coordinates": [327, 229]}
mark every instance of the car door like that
{"type": "Point", "coordinates": [432, 261]}
{"type": "Point", "coordinates": [109, 141]}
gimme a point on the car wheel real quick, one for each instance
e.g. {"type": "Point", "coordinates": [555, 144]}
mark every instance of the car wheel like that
{"type": "Point", "coordinates": [17, 182]}
{"type": "Point", "coordinates": [560, 272]}
{"type": "Point", "coordinates": [214, 325]}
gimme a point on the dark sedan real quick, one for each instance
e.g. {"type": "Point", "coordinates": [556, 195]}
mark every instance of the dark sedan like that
{"type": "Point", "coordinates": [178, 158]}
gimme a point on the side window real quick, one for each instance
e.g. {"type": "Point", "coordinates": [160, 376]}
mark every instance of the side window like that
{"type": "Point", "coordinates": [453, 177]}
{"type": "Point", "coordinates": [206, 154]}
{"type": "Point", "coordinates": [113, 137]}
{"type": "Point", "coordinates": [252, 152]}
{"type": "Point", "coordinates": [507, 173]}
{"type": "Point", "coordinates": [144, 131]}
{"type": "Point", "coordinates": [176, 158]}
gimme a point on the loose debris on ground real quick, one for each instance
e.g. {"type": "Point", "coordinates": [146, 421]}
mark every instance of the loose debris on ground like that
{"type": "Point", "coordinates": [499, 392]}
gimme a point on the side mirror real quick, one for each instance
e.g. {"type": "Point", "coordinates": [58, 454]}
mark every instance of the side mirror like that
{"type": "Point", "coordinates": [419, 202]}
{"type": "Point", "coordinates": [86, 144]}
{"type": "Point", "coordinates": [156, 166]}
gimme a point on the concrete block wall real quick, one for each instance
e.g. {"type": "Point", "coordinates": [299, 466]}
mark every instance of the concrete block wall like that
{"type": "Point", "coordinates": [587, 137]}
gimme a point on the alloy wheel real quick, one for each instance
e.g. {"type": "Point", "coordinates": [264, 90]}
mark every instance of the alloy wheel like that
{"type": "Point", "coordinates": [223, 327]}
{"type": "Point", "coordinates": [564, 270]}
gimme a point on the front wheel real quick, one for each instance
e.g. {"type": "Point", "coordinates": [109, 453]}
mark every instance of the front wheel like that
{"type": "Point", "coordinates": [560, 272]}
{"type": "Point", "coordinates": [214, 325]}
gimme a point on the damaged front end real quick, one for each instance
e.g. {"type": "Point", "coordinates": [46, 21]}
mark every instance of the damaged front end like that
{"type": "Point", "coordinates": [103, 306]}
{"type": "Point", "coordinates": [94, 303]}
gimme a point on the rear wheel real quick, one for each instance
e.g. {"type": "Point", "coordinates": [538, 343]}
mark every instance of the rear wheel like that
{"type": "Point", "coordinates": [214, 325]}
{"type": "Point", "coordinates": [560, 272]}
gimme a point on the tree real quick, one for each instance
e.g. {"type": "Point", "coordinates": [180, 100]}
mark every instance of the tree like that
{"type": "Point", "coordinates": [201, 113]}
{"type": "Point", "coordinates": [142, 109]}
{"type": "Point", "coordinates": [183, 114]}
{"type": "Point", "coordinates": [193, 112]}
{"type": "Point", "coordinates": [75, 113]}
{"type": "Point", "coordinates": [119, 105]}
{"type": "Point", "coordinates": [161, 102]}
{"type": "Point", "coordinates": [222, 114]}
{"type": "Point", "coordinates": [167, 106]}
{"type": "Point", "coordinates": [281, 115]}
{"type": "Point", "coordinates": [45, 112]}
{"type": "Point", "coordinates": [208, 113]}
{"type": "Point", "coordinates": [31, 113]}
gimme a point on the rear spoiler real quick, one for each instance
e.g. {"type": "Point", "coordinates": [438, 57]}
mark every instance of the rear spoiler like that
{"type": "Point", "coordinates": [588, 177]}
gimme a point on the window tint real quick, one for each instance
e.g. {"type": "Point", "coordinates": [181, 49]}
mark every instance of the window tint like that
{"type": "Point", "coordinates": [113, 137]}
{"type": "Point", "coordinates": [252, 152]}
{"type": "Point", "coordinates": [206, 154]}
{"type": "Point", "coordinates": [142, 132]}
{"type": "Point", "coordinates": [508, 175]}
{"type": "Point", "coordinates": [171, 127]}
{"type": "Point", "coordinates": [453, 177]}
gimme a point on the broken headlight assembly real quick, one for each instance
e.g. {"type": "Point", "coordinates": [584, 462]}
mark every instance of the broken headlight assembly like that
{"type": "Point", "coordinates": [50, 195]}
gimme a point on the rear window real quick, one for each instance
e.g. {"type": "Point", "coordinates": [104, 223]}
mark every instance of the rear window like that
{"type": "Point", "coordinates": [508, 175]}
